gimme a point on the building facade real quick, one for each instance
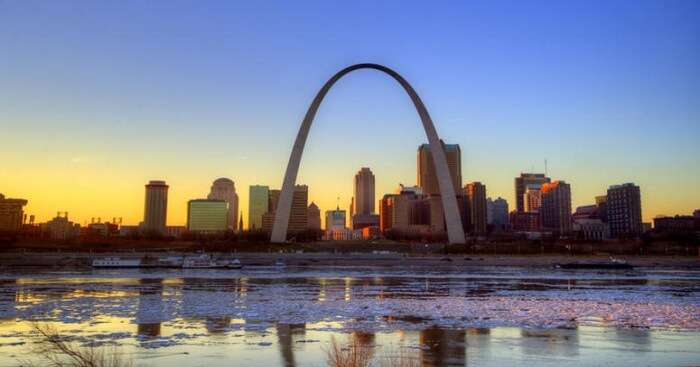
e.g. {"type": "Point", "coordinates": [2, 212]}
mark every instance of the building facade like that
{"type": "Point", "coordinates": [555, 211]}
{"type": "Point", "coordinates": [258, 202]}
{"type": "Point", "coordinates": [314, 217]}
{"type": "Point", "coordinates": [497, 213]}
{"type": "Point", "coordinates": [522, 182]}
{"type": "Point", "coordinates": [624, 210]}
{"type": "Point", "coordinates": [225, 189]}
{"type": "Point", "coordinates": [475, 194]}
{"type": "Point", "coordinates": [11, 214]}
{"type": "Point", "coordinates": [363, 199]}
{"type": "Point", "coordinates": [427, 178]}
{"type": "Point", "coordinates": [155, 214]}
{"type": "Point", "coordinates": [207, 216]}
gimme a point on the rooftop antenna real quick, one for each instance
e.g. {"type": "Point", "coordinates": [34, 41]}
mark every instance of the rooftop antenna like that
{"type": "Point", "coordinates": [545, 167]}
{"type": "Point", "coordinates": [337, 203]}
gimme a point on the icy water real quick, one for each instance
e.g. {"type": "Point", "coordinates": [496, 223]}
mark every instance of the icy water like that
{"type": "Point", "coordinates": [449, 316]}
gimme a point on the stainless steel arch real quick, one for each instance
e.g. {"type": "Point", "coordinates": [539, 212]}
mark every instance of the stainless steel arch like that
{"type": "Point", "coordinates": [455, 233]}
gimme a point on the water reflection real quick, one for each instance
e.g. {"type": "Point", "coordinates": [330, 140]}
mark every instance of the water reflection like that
{"type": "Point", "coordinates": [287, 335]}
{"type": "Point", "coordinates": [550, 342]}
{"type": "Point", "coordinates": [442, 347]}
{"type": "Point", "coordinates": [149, 314]}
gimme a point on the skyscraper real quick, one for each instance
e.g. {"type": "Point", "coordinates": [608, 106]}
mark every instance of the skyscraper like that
{"type": "Point", "coordinates": [427, 178]}
{"type": "Point", "coordinates": [298, 220]}
{"type": "Point", "coordinates": [624, 210]}
{"type": "Point", "coordinates": [11, 213]}
{"type": "Point", "coordinates": [532, 198]}
{"type": "Point", "coordinates": [364, 192]}
{"type": "Point", "coordinates": [314, 217]}
{"type": "Point", "coordinates": [555, 212]}
{"type": "Point", "coordinates": [522, 182]}
{"type": "Point", "coordinates": [225, 189]}
{"type": "Point", "coordinates": [475, 193]}
{"type": "Point", "coordinates": [207, 215]}
{"type": "Point", "coordinates": [155, 212]}
{"type": "Point", "coordinates": [258, 203]}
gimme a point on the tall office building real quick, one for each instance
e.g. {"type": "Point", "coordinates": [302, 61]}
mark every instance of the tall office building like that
{"type": "Point", "coordinates": [207, 215]}
{"type": "Point", "coordinates": [521, 184]}
{"type": "Point", "coordinates": [298, 219]}
{"type": "Point", "coordinates": [555, 212]}
{"type": "Point", "coordinates": [475, 194]}
{"type": "Point", "coordinates": [314, 217]}
{"type": "Point", "coordinates": [258, 203]}
{"type": "Point", "coordinates": [427, 178]}
{"type": "Point", "coordinates": [532, 198]}
{"type": "Point", "coordinates": [155, 213]}
{"type": "Point", "coordinates": [624, 210]}
{"type": "Point", "coordinates": [225, 189]}
{"type": "Point", "coordinates": [363, 199]}
{"type": "Point", "coordinates": [497, 213]}
{"type": "Point", "coordinates": [11, 214]}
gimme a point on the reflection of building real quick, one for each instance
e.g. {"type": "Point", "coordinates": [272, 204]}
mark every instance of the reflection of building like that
{"type": "Point", "coordinates": [11, 213]}
{"type": "Point", "coordinates": [521, 184]}
{"type": "Point", "coordinates": [550, 342]}
{"type": "Point", "coordinates": [427, 179]}
{"type": "Point", "coordinates": [555, 211]}
{"type": "Point", "coordinates": [257, 205]}
{"type": "Point", "coordinates": [156, 208]}
{"type": "Point", "coordinates": [314, 217]}
{"type": "Point", "coordinates": [149, 314]}
{"type": "Point", "coordinates": [286, 335]}
{"type": "Point", "coordinates": [442, 347]}
{"type": "Point", "coordinates": [475, 194]}
{"type": "Point", "coordinates": [497, 213]}
{"type": "Point", "coordinates": [624, 210]}
{"type": "Point", "coordinates": [207, 215]}
{"type": "Point", "coordinates": [225, 189]}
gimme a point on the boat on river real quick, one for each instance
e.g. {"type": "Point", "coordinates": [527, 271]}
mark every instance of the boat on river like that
{"type": "Point", "coordinates": [116, 262]}
{"type": "Point", "coordinates": [613, 264]}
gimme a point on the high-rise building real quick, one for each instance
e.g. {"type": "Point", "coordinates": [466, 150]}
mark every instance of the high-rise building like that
{"type": "Point", "coordinates": [314, 217]}
{"type": "Point", "coordinates": [522, 182]}
{"type": "Point", "coordinates": [258, 204]}
{"type": "Point", "coordinates": [11, 213]}
{"type": "Point", "coordinates": [555, 212]}
{"type": "Point", "coordinates": [274, 198]}
{"type": "Point", "coordinates": [532, 198]}
{"type": "Point", "coordinates": [155, 214]}
{"type": "Point", "coordinates": [225, 189]}
{"type": "Point", "coordinates": [207, 215]}
{"type": "Point", "coordinates": [427, 178]}
{"type": "Point", "coordinates": [475, 194]}
{"type": "Point", "coordinates": [298, 220]}
{"type": "Point", "coordinates": [363, 199]}
{"type": "Point", "coordinates": [624, 210]}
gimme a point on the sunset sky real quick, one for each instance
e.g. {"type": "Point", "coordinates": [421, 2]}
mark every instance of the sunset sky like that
{"type": "Point", "coordinates": [98, 97]}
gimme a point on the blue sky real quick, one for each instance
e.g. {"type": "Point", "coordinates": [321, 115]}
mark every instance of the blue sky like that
{"type": "Point", "coordinates": [99, 97]}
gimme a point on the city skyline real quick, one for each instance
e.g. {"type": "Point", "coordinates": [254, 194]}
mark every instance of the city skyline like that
{"type": "Point", "coordinates": [604, 105]}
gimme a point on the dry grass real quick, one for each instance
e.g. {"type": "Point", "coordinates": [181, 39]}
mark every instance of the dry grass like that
{"type": "Point", "coordinates": [54, 351]}
{"type": "Point", "coordinates": [356, 354]}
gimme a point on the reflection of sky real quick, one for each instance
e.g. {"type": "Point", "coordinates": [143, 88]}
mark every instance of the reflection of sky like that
{"type": "Point", "coordinates": [98, 98]}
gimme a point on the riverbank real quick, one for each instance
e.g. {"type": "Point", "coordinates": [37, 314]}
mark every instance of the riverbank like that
{"type": "Point", "coordinates": [82, 259]}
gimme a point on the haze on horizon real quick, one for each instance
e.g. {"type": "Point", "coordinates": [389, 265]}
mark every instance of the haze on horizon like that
{"type": "Point", "coordinates": [97, 98]}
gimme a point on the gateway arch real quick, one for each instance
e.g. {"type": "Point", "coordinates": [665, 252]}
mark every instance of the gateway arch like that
{"type": "Point", "coordinates": [455, 233]}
